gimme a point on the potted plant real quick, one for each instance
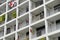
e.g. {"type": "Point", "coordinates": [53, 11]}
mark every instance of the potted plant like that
{"type": "Point", "coordinates": [14, 14]}
{"type": "Point", "coordinates": [2, 18]}
{"type": "Point", "coordinates": [43, 38]}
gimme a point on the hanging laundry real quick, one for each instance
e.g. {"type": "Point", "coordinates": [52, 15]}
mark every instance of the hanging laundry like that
{"type": "Point", "coordinates": [11, 4]}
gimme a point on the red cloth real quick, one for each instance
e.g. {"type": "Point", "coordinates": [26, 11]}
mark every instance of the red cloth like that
{"type": "Point", "coordinates": [11, 4]}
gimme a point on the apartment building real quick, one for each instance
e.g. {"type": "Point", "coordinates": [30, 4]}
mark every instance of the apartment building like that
{"type": "Point", "coordinates": [29, 19]}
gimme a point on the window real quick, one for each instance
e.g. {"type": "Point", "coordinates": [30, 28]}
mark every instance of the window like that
{"type": "Point", "coordinates": [27, 33]}
{"type": "Point", "coordinates": [27, 36]}
{"type": "Point", "coordinates": [41, 14]}
{"type": "Point", "coordinates": [58, 21]}
{"type": "Point", "coordinates": [58, 24]}
{"type": "Point", "coordinates": [57, 7]}
{"type": "Point", "coordinates": [27, 9]}
{"type": "Point", "coordinates": [39, 30]}
{"type": "Point", "coordinates": [58, 38]}
{"type": "Point", "coordinates": [39, 3]}
{"type": "Point", "coordinates": [8, 30]}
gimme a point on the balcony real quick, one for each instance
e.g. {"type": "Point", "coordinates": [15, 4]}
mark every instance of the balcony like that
{"type": "Point", "coordinates": [24, 34]}
{"type": "Point", "coordinates": [21, 1]}
{"type": "Point", "coordinates": [53, 7]}
{"type": "Point", "coordinates": [1, 39]}
{"type": "Point", "coordinates": [47, 0]}
{"type": "Point", "coordinates": [2, 19]}
{"type": "Point", "coordinates": [11, 15]}
{"type": "Point", "coordinates": [36, 3]}
{"type": "Point", "coordinates": [11, 0]}
{"type": "Point", "coordinates": [37, 14]}
{"type": "Point", "coordinates": [23, 9]}
{"type": "Point", "coordinates": [37, 30]}
{"type": "Point", "coordinates": [54, 23]}
{"type": "Point", "coordinates": [2, 1]}
{"type": "Point", "coordinates": [23, 21]}
{"type": "Point", "coordinates": [2, 9]}
{"type": "Point", "coordinates": [11, 27]}
{"type": "Point", "coordinates": [55, 37]}
{"type": "Point", "coordinates": [11, 37]}
{"type": "Point", "coordinates": [1, 31]}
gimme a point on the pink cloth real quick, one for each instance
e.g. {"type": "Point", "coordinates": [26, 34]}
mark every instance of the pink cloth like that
{"type": "Point", "coordinates": [11, 4]}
